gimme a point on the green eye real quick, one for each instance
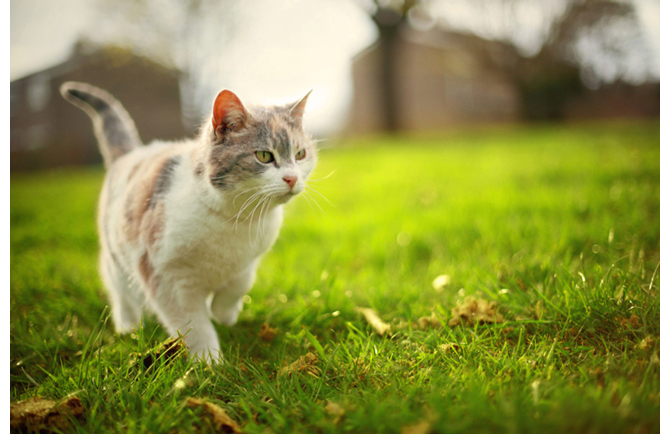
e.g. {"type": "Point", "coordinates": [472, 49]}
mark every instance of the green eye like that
{"type": "Point", "coordinates": [264, 156]}
{"type": "Point", "coordinates": [300, 154]}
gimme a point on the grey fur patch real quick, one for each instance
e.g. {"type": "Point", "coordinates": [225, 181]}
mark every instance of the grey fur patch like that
{"type": "Point", "coordinates": [233, 161]}
{"type": "Point", "coordinates": [98, 104]}
{"type": "Point", "coordinates": [113, 126]}
{"type": "Point", "coordinates": [164, 180]}
{"type": "Point", "coordinates": [232, 168]}
{"type": "Point", "coordinates": [199, 170]}
{"type": "Point", "coordinates": [282, 143]}
{"type": "Point", "coordinates": [262, 132]}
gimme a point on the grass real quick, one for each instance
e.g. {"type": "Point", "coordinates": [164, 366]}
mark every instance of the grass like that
{"type": "Point", "coordinates": [558, 225]}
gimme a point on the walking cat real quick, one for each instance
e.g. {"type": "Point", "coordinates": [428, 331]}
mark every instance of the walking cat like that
{"type": "Point", "coordinates": [183, 225]}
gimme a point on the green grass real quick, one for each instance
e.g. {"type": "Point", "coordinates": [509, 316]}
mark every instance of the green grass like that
{"type": "Point", "coordinates": [559, 225]}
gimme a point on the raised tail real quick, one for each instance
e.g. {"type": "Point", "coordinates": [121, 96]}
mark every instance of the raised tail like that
{"type": "Point", "coordinates": [113, 127]}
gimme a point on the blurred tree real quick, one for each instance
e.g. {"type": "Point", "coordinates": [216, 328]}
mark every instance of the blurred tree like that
{"type": "Point", "coordinates": [184, 35]}
{"type": "Point", "coordinates": [388, 17]}
{"type": "Point", "coordinates": [578, 44]}
{"type": "Point", "coordinates": [560, 69]}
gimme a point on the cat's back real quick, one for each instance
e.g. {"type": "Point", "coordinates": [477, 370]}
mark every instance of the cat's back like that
{"type": "Point", "coordinates": [144, 164]}
{"type": "Point", "coordinates": [135, 188]}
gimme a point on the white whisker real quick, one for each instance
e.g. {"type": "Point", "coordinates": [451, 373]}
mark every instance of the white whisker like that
{"type": "Point", "coordinates": [306, 197]}
{"type": "Point", "coordinates": [245, 205]}
{"type": "Point", "coordinates": [243, 192]}
{"type": "Point", "coordinates": [261, 227]}
{"type": "Point", "coordinates": [310, 199]}
{"type": "Point", "coordinates": [251, 216]}
{"type": "Point", "coordinates": [323, 178]}
{"type": "Point", "coordinates": [321, 195]}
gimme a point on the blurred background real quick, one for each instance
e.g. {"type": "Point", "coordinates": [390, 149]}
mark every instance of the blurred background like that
{"type": "Point", "coordinates": [397, 66]}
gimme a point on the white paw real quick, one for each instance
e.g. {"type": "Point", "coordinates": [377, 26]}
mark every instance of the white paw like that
{"type": "Point", "coordinates": [123, 326]}
{"type": "Point", "coordinates": [228, 317]}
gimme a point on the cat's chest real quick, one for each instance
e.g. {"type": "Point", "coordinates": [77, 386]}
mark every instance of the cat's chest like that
{"type": "Point", "coordinates": [207, 245]}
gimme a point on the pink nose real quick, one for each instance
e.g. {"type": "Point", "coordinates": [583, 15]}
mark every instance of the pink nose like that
{"type": "Point", "coordinates": [290, 180]}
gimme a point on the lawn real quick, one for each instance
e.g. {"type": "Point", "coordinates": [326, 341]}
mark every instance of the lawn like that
{"type": "Point", "coordinates": [553, 230]}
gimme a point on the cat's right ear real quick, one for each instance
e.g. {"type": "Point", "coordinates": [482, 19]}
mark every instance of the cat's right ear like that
{"type": "Point", "coordinates": [228, 114]}
{"type": "Point", "coordinates": [297, 110]}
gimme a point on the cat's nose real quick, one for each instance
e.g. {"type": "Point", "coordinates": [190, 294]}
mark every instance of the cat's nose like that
{"type": "Point", "coordinates": [290, 180]}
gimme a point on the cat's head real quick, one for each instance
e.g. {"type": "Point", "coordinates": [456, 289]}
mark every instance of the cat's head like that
{"type": "Point", "coordinates": [262, 150]}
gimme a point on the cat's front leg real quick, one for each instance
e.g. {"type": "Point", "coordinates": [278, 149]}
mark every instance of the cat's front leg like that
{"type": "Point", "coordinates": [227, 301]}
{"type": "Point", "coordinates": [184, 314]}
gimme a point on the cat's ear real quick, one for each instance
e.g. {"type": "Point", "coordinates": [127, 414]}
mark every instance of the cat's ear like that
{"type": "Point", "coordinates": [228, 114]}
{"type": "Point", "coordinates": [298, 109]}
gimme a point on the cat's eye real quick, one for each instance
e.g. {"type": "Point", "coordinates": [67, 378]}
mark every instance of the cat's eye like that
{"type": "Point", "coordinates": [264, 156]}
{"type": "Point", "coordinates": [301, 154]}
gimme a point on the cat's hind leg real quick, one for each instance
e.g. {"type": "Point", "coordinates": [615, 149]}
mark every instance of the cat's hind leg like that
{"type": "Point", "coordinates": [125, 304]}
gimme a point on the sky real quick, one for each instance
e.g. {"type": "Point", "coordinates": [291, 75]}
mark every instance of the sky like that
{"type": "Point", "coordinates": [283, 50]}
{"type": "Point", "coordinates": [649, 14]}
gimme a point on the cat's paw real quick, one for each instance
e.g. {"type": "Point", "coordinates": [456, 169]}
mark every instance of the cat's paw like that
{"type": "Point", "coordinates": [125, 316]}
{"type": "Point", "coordinates": [226, 315]}
{"type": "Point", "coordinates": [124, 326]}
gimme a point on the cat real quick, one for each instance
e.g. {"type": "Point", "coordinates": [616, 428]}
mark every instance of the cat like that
{"type": "Point", "coordinates": [183, 225]}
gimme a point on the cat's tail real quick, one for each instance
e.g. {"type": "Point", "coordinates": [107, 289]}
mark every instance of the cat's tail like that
{"type": "Point", "coordinates": [113, 127]}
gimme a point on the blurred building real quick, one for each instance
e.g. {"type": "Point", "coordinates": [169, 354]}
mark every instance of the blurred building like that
{"type": "Point", "coordinates": [444, 79]}
{"type": "Point", "coordinates": [47, 131]}
{"type": "Point", "coordinates": [440, 80]}
{"type": "Point", "coordinates": [615, 101]}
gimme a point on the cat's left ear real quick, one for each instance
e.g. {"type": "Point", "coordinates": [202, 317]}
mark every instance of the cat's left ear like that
{"type": "Point", "coordinates": [298, 109]}
{"type": "Point", "coordinates": [228, 114]}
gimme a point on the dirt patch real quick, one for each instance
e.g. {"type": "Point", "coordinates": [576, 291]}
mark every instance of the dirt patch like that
{"type": "Point", "coordinates": [647, 343]}
{"type": "Point", "coordinates": [449, 347]}
{"type": "Point", "coordinates": [304, 364]}
{"type": "Point", "coordinates": [162, 354]}
{"type": "Point", "coordinates": [632, 323]}
{"type": "Point", "coordinates": [475, 311]}
{"type": "Point", "coordinates": [221, 421]}
{"type": "Point", "coordinates": [40, 415]}
{"type": "Point", "coordinates": [426, 322]}
{"type": "Point", "coordinates": [336, 411]}
{"type": "Point", "coordinates": [267, 333]}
